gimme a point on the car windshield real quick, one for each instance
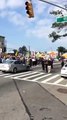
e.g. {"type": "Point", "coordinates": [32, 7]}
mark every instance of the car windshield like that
{"type": "Point", "coordinates": [8, 61]}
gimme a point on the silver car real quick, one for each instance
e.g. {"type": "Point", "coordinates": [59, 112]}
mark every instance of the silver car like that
{"type": "Point", "coordinates": [13, 66]}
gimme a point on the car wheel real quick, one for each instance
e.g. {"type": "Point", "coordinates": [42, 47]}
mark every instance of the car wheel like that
{"type": "Point", "coordinates": [3, 71]}
{"type": "Point", "coordinates": [15, 70]}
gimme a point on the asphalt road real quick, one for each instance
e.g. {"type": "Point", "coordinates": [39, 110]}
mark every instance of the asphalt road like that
{"type": "Point", "coordinates": [26, 100]}
{"type": "Point", "coordinates": [41, 104]}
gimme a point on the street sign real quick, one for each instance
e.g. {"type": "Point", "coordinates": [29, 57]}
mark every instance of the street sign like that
{"type": "Point", "coordinates": [62, 19]}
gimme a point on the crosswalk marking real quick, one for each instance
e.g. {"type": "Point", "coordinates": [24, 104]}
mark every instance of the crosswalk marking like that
{"type": "Point", "coordinates": [22, 79]}
{"type": "Point", "coordinates": [56, 84]}
{"type": "Point", "coordinates": [24, 75]}
{"type": "Point", "coordinates": [41, 77]}
{"type": "Point", "coordinates": [58, 81]}
{"type": "Point", "coordinates": [66, 85]}
{"type": "Point", "coordinates": [34, 76]}
{"type": "Point", "coordinates": [48, 79]}
{"type": "Point", "coordinates": [20, 74]}
{"type": "Point", "coordinates": [3, 74]}
{"type": "Point", "coordinates": [37, 76]}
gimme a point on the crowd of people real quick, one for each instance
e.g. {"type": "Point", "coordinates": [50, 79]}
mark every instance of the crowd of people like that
{"type": "Point", "coordinates": [47, 64]}
{"type": "Point", "coordinates": [26, 60]}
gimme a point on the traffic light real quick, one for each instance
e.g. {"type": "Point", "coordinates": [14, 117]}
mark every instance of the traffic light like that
{"type": "Point", "coordinates": [29, 9]}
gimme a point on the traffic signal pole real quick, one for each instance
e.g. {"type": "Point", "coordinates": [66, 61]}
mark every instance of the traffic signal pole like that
{"type": "Point", "coordinates": [53, 4]}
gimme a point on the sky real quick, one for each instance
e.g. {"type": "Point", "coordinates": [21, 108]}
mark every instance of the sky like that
{"type": "Point", "coordinates": [19, 30]}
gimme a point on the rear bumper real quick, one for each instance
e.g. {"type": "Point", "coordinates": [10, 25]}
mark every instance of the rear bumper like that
{"type": "Point", "coordinates": [63, 75]}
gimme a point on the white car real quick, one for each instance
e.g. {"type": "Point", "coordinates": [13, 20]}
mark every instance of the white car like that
{"type": "Point", "coordinates": [64, 71]}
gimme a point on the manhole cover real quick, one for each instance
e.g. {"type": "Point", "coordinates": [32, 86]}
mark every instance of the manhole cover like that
{"type": "Point", "coordinates": [61, 90]}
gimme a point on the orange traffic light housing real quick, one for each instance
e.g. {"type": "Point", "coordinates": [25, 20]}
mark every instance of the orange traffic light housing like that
{"type": "Point", "coordinates": [29, 9]}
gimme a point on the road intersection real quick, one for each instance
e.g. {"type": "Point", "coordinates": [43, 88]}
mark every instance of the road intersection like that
{"type": "Point", "coordinates": [38, 76]}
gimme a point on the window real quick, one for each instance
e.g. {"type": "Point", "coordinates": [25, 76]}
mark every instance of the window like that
{"type": "Point", "coordinates": [17, 62]}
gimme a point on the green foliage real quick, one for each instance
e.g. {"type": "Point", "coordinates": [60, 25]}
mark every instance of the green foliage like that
{"type": "Point", "coordinates": [54, 36]}
{"type": "Point", "coordinates": [59, 25]}
{"type": "Point", "coordinates": [58, 12]}
{"type": "Point", "coordinates": [65, 35]}
{"type": "Point", "coordinates": [15, 50]}
{"type": "Point", "coordinates": [23, 50]}
{"type": "Point", "coordinates": [61, 50]}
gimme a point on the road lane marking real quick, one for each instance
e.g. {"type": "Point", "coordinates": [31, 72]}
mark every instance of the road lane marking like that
{"type": "Point", "coordinates": [27, 78]}
{"type": "Point", "coordinates": [3, 74]}
{"type": "Point", "coordinates": [48, 79]}
{"type": "Point", "coordinates": [41, 77]}
{"type": "Point", "coordinates": [47, 83]}
{"type": "Point", "coordinates": [58, 81]}
{"type": "Point", "coordinates": [9, 75]}
{"type": "Point", "coordinates": [24, 75]}
{"type": "Point", "coordinates": [22, 79]}
{"type": "Point", "coordinates": [34, 76]}
{"type": "Point", "coordinates": [55, 84]}
{"type": "Point", "coordinates": [20, 74]}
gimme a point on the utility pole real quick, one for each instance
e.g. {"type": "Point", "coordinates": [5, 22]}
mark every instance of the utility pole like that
{"type": "Point", "coordinates": [29, 51]}
{"type": "Point", "coordinates": [54, 4]}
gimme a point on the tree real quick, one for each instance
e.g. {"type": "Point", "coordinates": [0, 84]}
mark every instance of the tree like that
{"type": "Point", "coordinates": [61, 50]}
{"type": "Point", "coordinates": [59, 26]}
{"type": "Point", "coordinates": [15, 50]}
{"type": "Point", "coordinates": [54, 35]}
{"type": "Point", "coordinates": [23, 50]}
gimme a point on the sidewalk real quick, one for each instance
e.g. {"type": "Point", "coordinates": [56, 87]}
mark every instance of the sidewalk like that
{"type": "Point", "coordinates": [11, 106]}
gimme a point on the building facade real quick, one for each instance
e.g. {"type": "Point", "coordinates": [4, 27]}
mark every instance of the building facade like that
{"type": "Point", "coordinates": [2, 44]}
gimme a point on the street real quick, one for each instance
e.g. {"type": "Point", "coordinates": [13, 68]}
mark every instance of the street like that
{"type": "Point", "coordinates": [33, 95]}
{"type": "Point", "coordinates": [33, 60]}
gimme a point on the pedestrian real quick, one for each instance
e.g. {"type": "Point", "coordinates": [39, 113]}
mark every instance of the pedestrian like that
{"type": "Point", "coordinates": [62, 62]}
{"type": "Point", "coordinates": [49, 65]}
{"type": "Point", "coordinates": [52, 63]}
{"type": "Point", "coordinates": [0, 60]}
{"type": "Point", "coordinates": [46, 65]}
{"type": "Point", "coordinates": [42, 62]}
{"type": "Point", "coordinates": [24, 60]}
{"type": "Point", "coordinates": [30, 61]}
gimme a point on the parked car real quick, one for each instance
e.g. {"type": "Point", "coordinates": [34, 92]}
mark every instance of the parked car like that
{"type": "Point", "coordinates": [13, 66]}
{"type": "Point", "coordinates": [64, 70]}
